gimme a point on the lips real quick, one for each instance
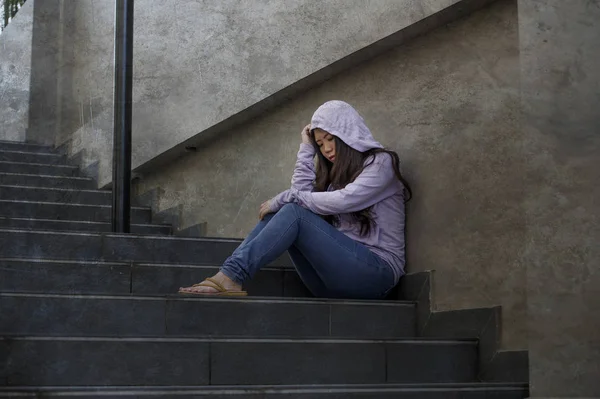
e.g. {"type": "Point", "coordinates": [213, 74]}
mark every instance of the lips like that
{"type": "Point", "coordinates": [332, 158]}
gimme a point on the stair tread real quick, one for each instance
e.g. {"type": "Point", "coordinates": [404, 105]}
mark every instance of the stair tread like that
{"type": "Point", "coordinates": [249, 340]}
{"type": "Point", "coordinates": [178, 297]}
{"type": "Point", "coordinates": [46, 176]}
{"type": "Point", "coordinates": [39, 164]}
{"type": "Point", "coordinates": [175, 315]}
{"type": "Point", "coordinates": [80, 221]}
{"type": "Point", "coordinates": [32, 153]}
{"type": "Point", "coordinates": [168, 238]}
{"type": "Point", "coordinates": [67, 204]}
{"type": "Point", "coordinates": [205, 361]}
{"type": "Point", "coordinates": [263, 391]}
{"type": "Point", "coordinates": [121, 263]}
{"type": "Point", "coordinates": [90, 245]}
{"type": "Point", "coordinates": [24, 143]}
{"type": "Point", "coordinates": [65, 211]}
{"type": "Point", "coordinates": [263, 388]}
{"type": "Point", "coordinates": [105, 192]}
{"type": "Point", "coordinates": [65, 261]}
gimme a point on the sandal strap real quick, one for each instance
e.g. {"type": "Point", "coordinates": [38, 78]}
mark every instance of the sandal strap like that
{"type": "Point", "coordinates": [211, 283]}
{"type": "Point", "coordinates": [216, 283]}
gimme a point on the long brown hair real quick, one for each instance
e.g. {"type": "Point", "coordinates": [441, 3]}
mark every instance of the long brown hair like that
{"type": "Point", "coordinates": [349, 163]}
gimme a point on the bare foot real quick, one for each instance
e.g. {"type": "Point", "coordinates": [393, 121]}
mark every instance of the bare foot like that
{"type": "Point", "coordinates": [222, 279]}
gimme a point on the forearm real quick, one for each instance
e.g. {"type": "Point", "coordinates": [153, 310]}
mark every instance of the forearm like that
{"type": "Point", "coordinates": [375, 183]}
{"type": "Point", "coordinates": [280, 200]}
{"type": "Point", "coordinates": [304, 171]}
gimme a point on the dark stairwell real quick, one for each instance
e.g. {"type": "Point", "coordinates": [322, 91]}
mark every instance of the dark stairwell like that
{"type": "Point", "coordinates": [85, 313]}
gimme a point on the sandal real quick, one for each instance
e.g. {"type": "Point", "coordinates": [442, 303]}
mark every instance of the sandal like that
{"type": "Point", "coordinates": [212, 283]}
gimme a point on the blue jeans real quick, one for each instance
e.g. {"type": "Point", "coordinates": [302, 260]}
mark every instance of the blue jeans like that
{"type": "Point", "coordinates": [329, 263]}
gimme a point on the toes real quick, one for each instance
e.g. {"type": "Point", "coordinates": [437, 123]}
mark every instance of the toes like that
{"type": "Point", "coordinates": [203, 289]}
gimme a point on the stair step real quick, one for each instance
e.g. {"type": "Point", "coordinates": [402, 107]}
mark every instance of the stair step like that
{"type": "Point", "coordinates": [48, 158]}
{"type": "Point", "coordinates": [38, 169]}
{"type": "Point", "coordinates": [352, 391]}
{"type": "Point", "coordinates": [80, 277]}
{"type": "Point", "coordinates": [73, 212]}
{"type": "Point", "coordinates": [34, 361]}
{"type": "Point", "coordinates": [48, 194]}
{"type": "Point", "coordinates": [185, 316]}
{"type": "Point", "coordinates": [27, 147]}
{"type": "Point", "coordinates": [64, 276]}
{"type": "Point", "coordinates": [149, 278]}
{"type": "Point", "coordinates": [119, 247]}
{"type": "Point", "coordinates": [70, 225]}
{"type": "Point", "coordinates": [48, 181]}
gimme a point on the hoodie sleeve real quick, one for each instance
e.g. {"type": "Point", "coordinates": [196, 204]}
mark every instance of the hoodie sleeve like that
{"type": "Point", "coordinates": [373, 185]}
{"type": "Point", "coordinates": [304, 171]}
{"type": "Point", "coordinates": [280, 200]}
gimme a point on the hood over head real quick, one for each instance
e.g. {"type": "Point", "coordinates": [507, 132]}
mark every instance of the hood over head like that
{"type": "Point", "coordinates": [340, 119]}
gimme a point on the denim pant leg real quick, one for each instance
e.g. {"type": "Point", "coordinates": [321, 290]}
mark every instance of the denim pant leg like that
{"type": "Point", "coordinates": [346, 267]}
{"type": "Point", "coordinates": [238, 254]}
{"type": "Point", "coordinates": [307, 275]}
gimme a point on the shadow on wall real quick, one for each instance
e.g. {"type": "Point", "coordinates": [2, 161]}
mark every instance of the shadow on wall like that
{"type": "Point", "coordinates": [53, 112]}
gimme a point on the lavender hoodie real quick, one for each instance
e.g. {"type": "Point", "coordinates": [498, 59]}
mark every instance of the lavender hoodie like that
{"type": "Point", "coordinates": [377, 185]}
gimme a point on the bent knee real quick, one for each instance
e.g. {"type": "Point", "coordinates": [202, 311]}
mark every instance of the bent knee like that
{"type": "Point", "coordinates": [293, 209]}
{"type": "Point", "coordinates": [291, 206]}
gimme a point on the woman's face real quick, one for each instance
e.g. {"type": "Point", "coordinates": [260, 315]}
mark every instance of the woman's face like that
{"type": "Point", "coordinates": [326, 143]}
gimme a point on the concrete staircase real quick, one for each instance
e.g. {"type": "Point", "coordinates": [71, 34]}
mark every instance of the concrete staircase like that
{"type": "Point", "coordinates": [89, 314]}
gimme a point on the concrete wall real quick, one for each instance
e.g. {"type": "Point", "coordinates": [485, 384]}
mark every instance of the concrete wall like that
{"type": "Point", "coordinates": [71, 75]}
{"type": "Point", "coordinates": [200, 63]}
{"type": "Point", "coordinates": [560, 75]}
{"type": "Point", "coordinates": [449, 104]}
{"type": "Point", "coordinates": [52, 106]}
{"type": "Point", "coordinates": [15, 69]}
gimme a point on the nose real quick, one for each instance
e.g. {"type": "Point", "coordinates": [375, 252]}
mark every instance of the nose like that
{"type": "Point", "coordinates": [328, 149]}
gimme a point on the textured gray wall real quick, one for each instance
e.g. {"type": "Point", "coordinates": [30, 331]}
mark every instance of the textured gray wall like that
{"type": "Point", "coordinates": [15, 69]}
{"type": "Point", "coordinates": [46, 107]}
{"type": "Point", "coordinates": [449, 104]}
{"type": "Point", "coordinates": [71, 75]}
{"type": "Point", "coordinates": [560, 75]}
{"type": "Point", "coordinates": [200, 63]}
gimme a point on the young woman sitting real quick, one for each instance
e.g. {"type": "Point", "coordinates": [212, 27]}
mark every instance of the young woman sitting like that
{"type": "Point", "coordinates": [343, 224]}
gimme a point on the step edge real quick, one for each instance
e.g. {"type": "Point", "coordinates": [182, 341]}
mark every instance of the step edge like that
{"type": "Point", "coordinates": [77, 178]}
{"type": "Point", "coordinates": [181, 298]}
{"type": "Point", "coordinates": [245, 340]}
{"type": "Point", "coordinates": [116, 235]}
{"type": "Point", "coordinates": [107, 192]}
{"type": "Point", "coordinates": [44, 260]}
{"type": "Point", "coordinates": [32, 153]}
{"type": "Point", "coordinates": [39, 164]}
{"type": "Point", "coordinates": [287, 386]}
{"type": "Point", "coordinates": [68, 204]}
{"type": "Point", "coordinates": [245, 389]}
{"type": "Point", "coordinates": [82, 221]}
{"type": "Point", "coordinates": [134, 263]}
{"type": "Point", "coordinates": [25, 143]}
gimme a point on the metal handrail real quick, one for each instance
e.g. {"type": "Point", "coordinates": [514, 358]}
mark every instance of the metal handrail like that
{"type": "Point", "coordinates": [121, 187]}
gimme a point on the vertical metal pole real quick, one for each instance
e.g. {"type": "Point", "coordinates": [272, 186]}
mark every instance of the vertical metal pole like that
{"type": "Point", "coordinates": [121, 188]}
{"type": "Point", "coordinates": [6, 13]}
